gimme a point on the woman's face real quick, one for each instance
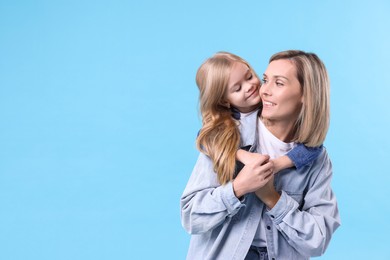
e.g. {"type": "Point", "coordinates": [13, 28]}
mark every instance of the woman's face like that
{"type": "Point", "coordinates": [281, 92]}
{"type": "Point", "coordinates": [243, 88]}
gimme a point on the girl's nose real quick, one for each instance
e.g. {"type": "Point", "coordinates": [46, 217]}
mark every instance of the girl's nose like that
{"type": "Point", "coordinates": [250, 87]}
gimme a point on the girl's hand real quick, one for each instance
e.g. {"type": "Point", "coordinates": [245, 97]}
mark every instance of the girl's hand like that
{"type": "Point", "coordinates": [282, 163]}
{"type": "Point", "coordinates": [246, 157]}
{"type": "Point", "coordinates": [255, 174]}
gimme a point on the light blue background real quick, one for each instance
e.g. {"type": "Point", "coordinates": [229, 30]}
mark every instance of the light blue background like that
{"type": "Point", "coordinates": [98, 117]}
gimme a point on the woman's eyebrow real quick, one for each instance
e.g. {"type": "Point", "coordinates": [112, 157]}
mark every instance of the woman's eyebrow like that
{"type": "Point", "coordinates": [280, 76]}
{"type": "Point", "coordinates": [276, 76]}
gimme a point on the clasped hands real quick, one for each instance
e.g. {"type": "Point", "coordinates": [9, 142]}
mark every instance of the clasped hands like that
{"type": "Point", "coordinates": [256, 176]}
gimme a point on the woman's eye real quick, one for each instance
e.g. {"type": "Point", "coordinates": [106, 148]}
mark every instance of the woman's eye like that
{"type": "Point", "coordinates": [279, 83]}
{"type": "Point", "coordinates": [264, 81]}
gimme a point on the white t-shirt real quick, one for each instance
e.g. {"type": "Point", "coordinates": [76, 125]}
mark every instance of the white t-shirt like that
{"type": "Point", "coordinates": [271, 145]}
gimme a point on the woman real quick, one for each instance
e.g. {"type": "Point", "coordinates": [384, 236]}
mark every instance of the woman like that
{"type": "Point", "coordinates": [290, 216]}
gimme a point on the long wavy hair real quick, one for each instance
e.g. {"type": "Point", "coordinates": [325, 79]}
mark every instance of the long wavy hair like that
{"type": "Point", "coordinates": [313, 121]}
{"type": "Point", "coordinates": [219, 137]}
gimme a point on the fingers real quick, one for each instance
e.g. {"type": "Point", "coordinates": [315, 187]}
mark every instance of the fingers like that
{"type": "Point", "coordinates": [262, 159]}
{"type": "Point", "coordinates": [268, 174]}
{"type": "Point", "coordinates": [266, 171]}
{"type": "Point", "coordinates": [267, 166]}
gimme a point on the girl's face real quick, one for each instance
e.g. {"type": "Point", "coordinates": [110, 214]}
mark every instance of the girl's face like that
{"type": "Point", "coordinates": [281, 92]}
{"type": "Point", "coordinates": [243, 88]}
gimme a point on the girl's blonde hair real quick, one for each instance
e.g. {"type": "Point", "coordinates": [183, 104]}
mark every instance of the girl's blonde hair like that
{"type": "Point", "coordinates": [219, 137]}
{"type": "Point", "coordinates": [313, 121]}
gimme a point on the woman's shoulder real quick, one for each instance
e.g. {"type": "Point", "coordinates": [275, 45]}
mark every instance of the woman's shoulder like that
{"type": "Point", "coordinates": [324, 156]}
{"type": "Point", "coordinates": [322, 166]}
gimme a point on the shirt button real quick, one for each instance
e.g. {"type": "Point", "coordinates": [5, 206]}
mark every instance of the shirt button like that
{"type": "Point", "coordinates": [272, 216]}
{"type": "Point", "coordinates": [273, 258]}
{"type": "Point", "coordinates": [268, 227]}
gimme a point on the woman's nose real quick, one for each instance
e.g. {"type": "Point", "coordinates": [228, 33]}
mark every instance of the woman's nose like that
{"type": "Point", "coordinates": [265, 89]}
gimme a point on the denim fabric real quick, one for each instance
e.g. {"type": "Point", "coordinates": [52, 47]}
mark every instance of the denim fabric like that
{"type": "Point", "coordinates": [302, 155]}
{"type": "Point", "coordinates": [235, 113]}
{"type": "Point", "coordinates": [299, 226]}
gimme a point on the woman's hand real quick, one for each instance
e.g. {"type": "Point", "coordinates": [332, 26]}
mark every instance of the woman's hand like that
{"type": "Point", "coordinates": [255, 174]}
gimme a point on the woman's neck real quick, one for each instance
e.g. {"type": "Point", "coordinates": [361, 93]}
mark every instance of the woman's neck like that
{"type": "Point", "coordinates": [284, 131]}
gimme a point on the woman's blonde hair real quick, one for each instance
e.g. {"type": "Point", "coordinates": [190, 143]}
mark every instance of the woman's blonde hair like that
{"type": "Point", "coordinates": [313, 121]}
{"type": "Point", "coordinates": [219, 137]}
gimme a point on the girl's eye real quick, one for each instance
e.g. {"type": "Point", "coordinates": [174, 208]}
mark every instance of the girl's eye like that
{"type": "Point", "coordinates": [250, 76]}
{"type": "Point", "coordinates": [238, 89]}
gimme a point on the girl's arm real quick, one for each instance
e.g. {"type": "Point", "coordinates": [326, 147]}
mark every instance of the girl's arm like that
{"type": "Point", "coordinates": [246, 157]}
{"type": "Point", "coordinates": [299, 156]}
{"type": "Point", "coordinates": [302, 155]}
{"type": "Point", "coordinates": [280, 163]}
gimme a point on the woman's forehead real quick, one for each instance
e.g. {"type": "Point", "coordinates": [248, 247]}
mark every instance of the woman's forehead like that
{"type": "Point", "coordinates": [283, 68]}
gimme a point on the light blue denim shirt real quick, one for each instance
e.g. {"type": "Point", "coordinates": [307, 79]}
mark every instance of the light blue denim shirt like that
{"type": "Point", "coordinates": [299, 226]}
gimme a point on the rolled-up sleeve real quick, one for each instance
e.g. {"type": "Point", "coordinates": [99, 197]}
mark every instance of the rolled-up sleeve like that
{"type": "Point", "coordinates": [302, 155]}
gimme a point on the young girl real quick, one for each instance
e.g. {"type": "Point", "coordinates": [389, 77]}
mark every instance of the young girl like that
{"type": "Point", "coordinates": [254, 215]}
{"type": "Point", "coordinates": [229, 101]}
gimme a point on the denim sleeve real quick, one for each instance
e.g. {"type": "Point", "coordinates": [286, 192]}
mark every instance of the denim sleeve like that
{"type": "Point", "coordinates": [302, 155]}
{"type": "Point", "coordinates": [206, 204]}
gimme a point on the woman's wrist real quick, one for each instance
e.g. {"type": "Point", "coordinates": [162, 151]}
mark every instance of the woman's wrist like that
{"type": "Point", "coordinates": [268, 197]}
{"type": "Point", "coordinates": [271, 200]}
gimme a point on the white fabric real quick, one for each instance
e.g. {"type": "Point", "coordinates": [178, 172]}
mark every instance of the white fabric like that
{"type": "Point", "coordinates": [271, 145]}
